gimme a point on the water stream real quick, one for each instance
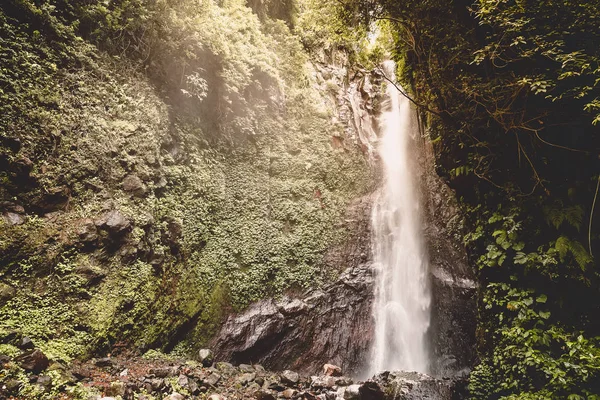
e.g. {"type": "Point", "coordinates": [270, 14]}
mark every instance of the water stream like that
{"type": "Point", "coordinates": [402, 293]}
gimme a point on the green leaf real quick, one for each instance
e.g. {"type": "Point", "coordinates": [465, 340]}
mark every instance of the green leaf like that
{"type": "Point", "coordinates": [545, 314]}
{"type": "Point", "coordinates": [541, 298]}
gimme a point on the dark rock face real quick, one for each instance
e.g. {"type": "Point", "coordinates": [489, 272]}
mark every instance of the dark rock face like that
{"type": "Point", "coordinates": [329, 325]}
{"type": "Point", "coordinates": [454, 302]}
{"type": "Point", "coordinates": [413, 386]}
{"type": "Point", "coordinates": [34, 361]}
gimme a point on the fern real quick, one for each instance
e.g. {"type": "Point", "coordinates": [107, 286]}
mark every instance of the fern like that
{"type": "Point", "coordinates": [564, 246]}
{"type": "Point", "coordinates": [557, 214]}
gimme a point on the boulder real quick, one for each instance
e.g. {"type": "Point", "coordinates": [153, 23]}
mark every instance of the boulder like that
{"type": "Point", "coordinates": [244, 379]}
{"type": "Point", "coordinates": [164, 372]}
{"type": "Point", "coordinates": [26, 344]}
{"type": "Point", "coordinates": [212, 379]}
{"type": "Point", "coordinates": [33, 361]}
{"type": "Point", "coordinates": [352, 392]}
{"type": "Point", "coordinates": [331, 370]}
{"type": "Point", "coordinates": [246, 368]}
{"type": "Point", "coordinates": [288, 393]}
{"type": "Point", "coordinates": [7, 292]}
{"type": "Point", "coordinates": [12, 218]}
{"type": "Point", "coordinates": [371, 391]}
{"type": "Point", "coordinates": [175, 396]}
{"type": "Point", "coordinates": [134, 185]}
{"type": "Point", "coordinates": [290, 377]}
{"type": "Point", "coordinates": [103, 362]}
{"type": "Point", "coordinates": [114, 222]}
{"type": "Point", "coordinates": [264, 394]}
{"type": "Point", "coordinates": [87, 231]}
{"type": "Point", "coordinates": [206, 357]}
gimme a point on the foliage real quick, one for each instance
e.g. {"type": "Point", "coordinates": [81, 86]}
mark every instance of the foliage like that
{"type": "Point", "coordinates": [214, 110]}
{"type": "Point", "coordinates": [508, 91]}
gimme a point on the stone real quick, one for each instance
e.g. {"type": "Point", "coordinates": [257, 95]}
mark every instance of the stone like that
{"type": "Point", "coordinates": [246, 368]}
{"type": "Point", "coordinates": [183, 381]}
{"type": "Point", "coordinates": [87, 231]}
{"type": "Point", "coordinates": [259, 369]}
{"type": "Point", "coordinates": [244, 379]}
{"type": "Point", "coordinates": [216, 397]}
{"type": "Point", "coordinates": [226, 368]}
{"type": "Point", "coordinates": [352, 392]}
{"type": "Point", "coordinates": [331, 370]}
{"type": "Point", "coordinates": [212, 379]}
{"type": "Point", "coordinates": [371, 391]}
{"type": "Point", "coordinates": [12, 385]}
{"type": "Point", "coordinates": [103, 362]}
{"type": "Point", "coordinates": [12, 218]}
{"type": "Point", "coordinates": [114, 222]}
{"type": "Point", "coordinates": [260, 381]}
{"type": "Point", "coordinates": [290, 377]}
{"type": "Point", "coordinates": [26, 344]}
{"type": "Point", "coordinates": [34, 361]}
{"type": "Point", "coordinates": [264, 394]}
{"type": "Point", "coordinates": [175, 396]}
{"type": "Point", "coordinates": [288, 393]}
{"type": "Point", "coordinates": [164, 372]}
{"type": "Point", "coordinates": [116, 388]}
{"type": "Point", "coordinates": [206, 357]}
{"type": "Point", "coordinates": [193, 387]}
{"type": "Point", "coordinates": [44, 381]}
{"type": "Point", "coordinates": [7, 292]}
{"type": "Point", "coordinates": [134, 185]}
{"type": "Point", "coordinates": [322, 382]}
{"type": "Point", "coordinates": [343, 381]}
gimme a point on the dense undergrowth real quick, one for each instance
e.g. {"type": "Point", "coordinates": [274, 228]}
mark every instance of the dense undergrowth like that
{"type": "Point", "coordinates": [509, 93]}
{"type": "Point", "coordinates": [162, 163]}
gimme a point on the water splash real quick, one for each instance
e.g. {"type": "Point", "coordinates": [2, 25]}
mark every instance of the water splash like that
{"type": "Point", "coordinates": [402, 293]}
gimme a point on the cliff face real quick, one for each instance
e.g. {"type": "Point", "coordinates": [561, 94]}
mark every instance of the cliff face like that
{"type": "Point", "coordinates": [144, 199]}
{"type": "Point", "coordinates": [335, 324]}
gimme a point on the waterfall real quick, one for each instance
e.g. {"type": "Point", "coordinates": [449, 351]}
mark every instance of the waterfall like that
{"type": "Point", "coordinates": [402, 293]}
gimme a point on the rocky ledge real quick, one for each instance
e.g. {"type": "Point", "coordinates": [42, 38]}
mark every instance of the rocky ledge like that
{"type": "Point", "coordinates": [154, 378]}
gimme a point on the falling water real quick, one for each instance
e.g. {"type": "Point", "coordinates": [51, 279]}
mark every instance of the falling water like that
{"type": "Point", "coordinates": [402, 294]}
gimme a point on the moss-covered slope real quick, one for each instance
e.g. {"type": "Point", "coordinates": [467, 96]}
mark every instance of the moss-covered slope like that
{"type": "Point", "coordinates": [161, 163]}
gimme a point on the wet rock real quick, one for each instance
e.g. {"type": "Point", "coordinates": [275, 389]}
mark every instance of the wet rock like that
{"type": "Point", "coordinates": [87, 232]}
{"type": "Point", "coordinates": [413, 386]}
{"type": "Point", "coordinates": [352, 392]}
{"type": "Point", "coordinates": [322, 382]}
{"type": "Point", "coordinates": [371, 391]}
{"type": "Point", "coordinates": [206, 357]}
{"type": "Point", "coordinates": [26, 344]}
{"type": "Point", "coordinates": [331, 370]}
{"type": "Point", "coordinates": [314, 329]}
{"type": "Point", "coordinates": [33, 361]}
{"type": "Point", "coordinates": [134, 185]}
{"type": "Point", "coordinates": [343, 381]}
{"type": "Point", "coordinates": [290, 377]}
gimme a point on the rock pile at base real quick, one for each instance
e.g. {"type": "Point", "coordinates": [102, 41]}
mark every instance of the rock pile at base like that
{"type": "Point", "coordinates": [113, 378]}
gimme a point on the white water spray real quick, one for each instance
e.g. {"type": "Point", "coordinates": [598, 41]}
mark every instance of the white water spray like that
{"type": "Point", "coordinates": [402, 293]}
